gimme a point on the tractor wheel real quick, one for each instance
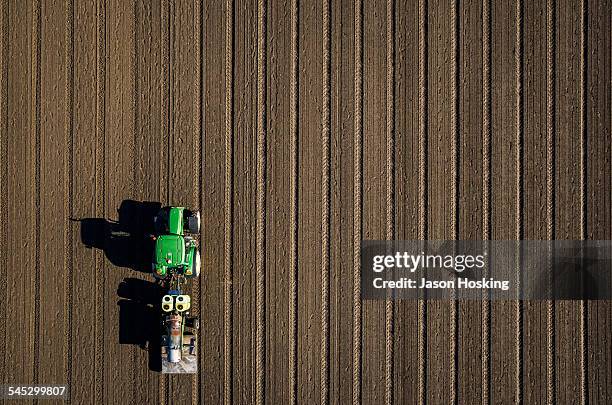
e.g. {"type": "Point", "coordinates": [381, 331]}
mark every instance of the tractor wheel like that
{"type": "Point", "coordinates": [193, 323]}
{"type": "Point", "coordinates": [192, 346]}
{"type": "Point", "coordinates": [193, 223]}
{"type": "Point", "coordinates": [195, 270]}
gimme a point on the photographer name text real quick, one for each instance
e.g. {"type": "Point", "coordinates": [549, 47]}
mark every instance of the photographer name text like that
{"type": "Point", "coordinates": [423, 283]}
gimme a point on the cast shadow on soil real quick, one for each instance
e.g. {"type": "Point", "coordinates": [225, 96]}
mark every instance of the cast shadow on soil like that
{"type": "Point", "coordinates": [126, 243]}
{"type": "Point", "coordinates": [139, 317]}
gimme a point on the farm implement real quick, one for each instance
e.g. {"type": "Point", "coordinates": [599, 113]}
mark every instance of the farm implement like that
{"type": "Point", "coordinates": [175, 261]}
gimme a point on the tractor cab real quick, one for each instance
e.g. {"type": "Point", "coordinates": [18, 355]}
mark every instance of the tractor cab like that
{"type": "Point", "coordinates": [171, 220]}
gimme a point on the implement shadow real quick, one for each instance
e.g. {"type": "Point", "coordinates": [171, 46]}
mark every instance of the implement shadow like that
{"type": "Point", "coordinates": [139, 317]}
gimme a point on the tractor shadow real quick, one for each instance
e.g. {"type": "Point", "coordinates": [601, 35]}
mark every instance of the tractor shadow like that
{"type": "Point", "coordinates": [139, 317]}
{"type": "Point", "coordinates": [125, 242]}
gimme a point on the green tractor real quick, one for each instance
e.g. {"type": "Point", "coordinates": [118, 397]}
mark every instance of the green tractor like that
{"type": "Point", "coordinates": [176, 248]}
{"type": "Point", "coordinates": [175, 259]}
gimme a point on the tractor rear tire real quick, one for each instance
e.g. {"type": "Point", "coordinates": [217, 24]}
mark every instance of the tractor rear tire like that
{"type": "Point", "coordinates": [193, 222]}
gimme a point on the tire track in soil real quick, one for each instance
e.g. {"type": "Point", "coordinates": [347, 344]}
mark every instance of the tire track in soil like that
{"type": "Point", "coordinates": [20, 208]}
{"type": "Point", "coordinates": [54, 184]}
{"type": "Point", "coordinates": [184, 139]}
{"type": "Point", "coordinates": [119, 186]}
{"type": "Point", "coordinates": [100, 195]}
{"type": "Point", "coordinates": [216, 203]}
{"type": "Point", "coordinates": [3, 175]}
{"type": "Point", "coordinates": [85, 176]}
